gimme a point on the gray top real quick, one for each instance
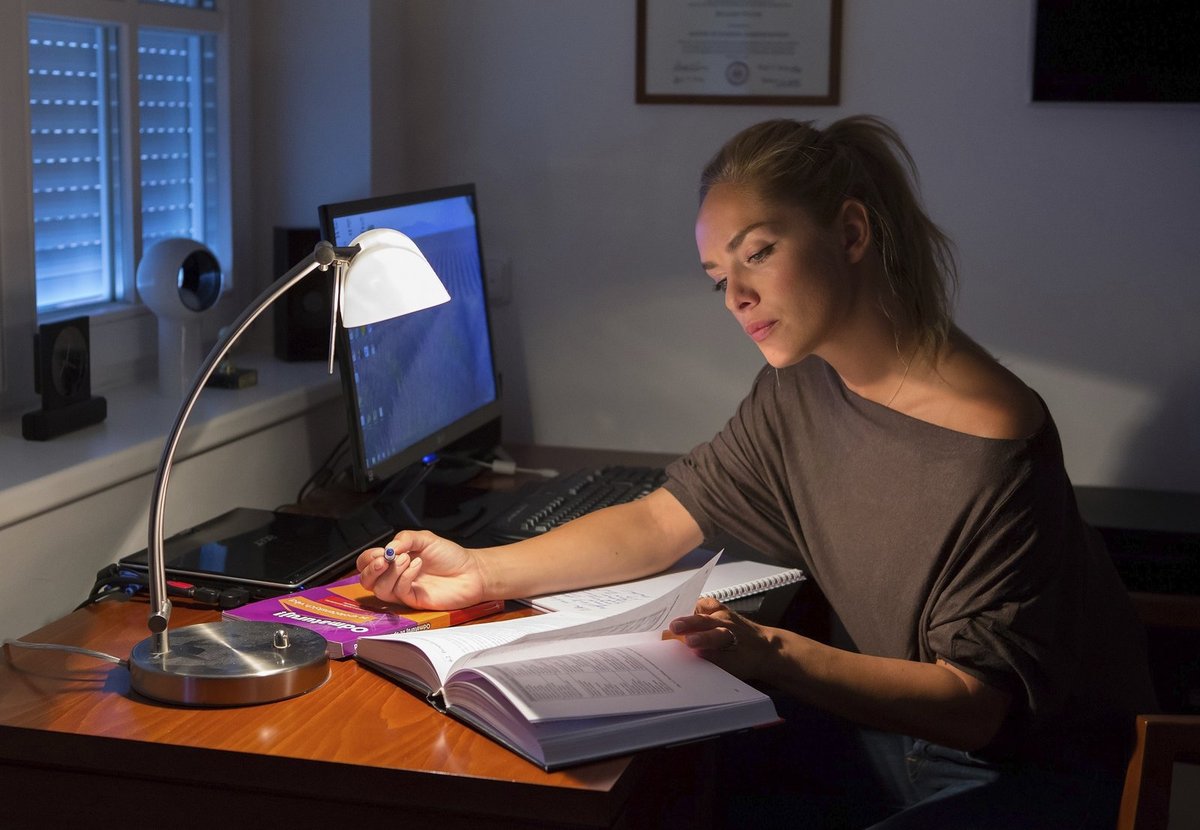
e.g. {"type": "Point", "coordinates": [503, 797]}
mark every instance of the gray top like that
{"type": "Point", "coordinates": [930, 543]}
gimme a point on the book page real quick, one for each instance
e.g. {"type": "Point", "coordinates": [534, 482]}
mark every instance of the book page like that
{"type": "Point", "coordinates": [448, 649]}
{"type": "Point", "coordinates": [604, 599]}
{"type": "Point", "coordinates": [628, 677]}
{"type": "Point", "coordinates": [444, 647]}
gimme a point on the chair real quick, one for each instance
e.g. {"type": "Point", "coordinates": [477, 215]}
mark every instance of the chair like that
{"type": "Point", "coordinates": [1162, 740]}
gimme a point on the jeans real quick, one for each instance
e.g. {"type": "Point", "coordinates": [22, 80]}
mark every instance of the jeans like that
{"type": "Point", "coordinates": [951, 788]}
{"type": "Point", "coordinates": [816, 771]}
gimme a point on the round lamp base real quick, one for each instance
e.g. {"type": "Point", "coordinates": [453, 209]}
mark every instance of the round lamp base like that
{"type": "Point", "coordinates": [230, 663]}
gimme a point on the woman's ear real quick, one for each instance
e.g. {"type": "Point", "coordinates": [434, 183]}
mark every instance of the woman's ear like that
{"type": "Point", "coordinates": [854, 222]}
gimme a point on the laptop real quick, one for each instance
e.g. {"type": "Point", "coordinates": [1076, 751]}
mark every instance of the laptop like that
{"type": "Point", "coordinates": [266, 551]}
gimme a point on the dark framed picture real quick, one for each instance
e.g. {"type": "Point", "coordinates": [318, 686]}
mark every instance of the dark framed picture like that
{"type": "Point", "coordinates": [753, 52]}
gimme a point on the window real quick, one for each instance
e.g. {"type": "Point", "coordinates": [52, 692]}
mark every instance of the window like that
{"type": "Point", "coordinates": [115, 132]}
{"type": "Point", "coordinates": [77, 126]}
{"type": "Point", "coordinates": [75, 139]}
{"type": "Point", "coordinates": [177, 135]}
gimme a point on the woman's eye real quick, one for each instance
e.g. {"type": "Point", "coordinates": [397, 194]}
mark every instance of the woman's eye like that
{"type": "Point", "coordinates": [760, 255]}
{"type": "Point", "coordinates": [720, 285]}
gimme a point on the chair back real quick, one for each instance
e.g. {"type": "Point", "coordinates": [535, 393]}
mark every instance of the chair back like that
{"type": "Point", "coordinates": [1162, 740]}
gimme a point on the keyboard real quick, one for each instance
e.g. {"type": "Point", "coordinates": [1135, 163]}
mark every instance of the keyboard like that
{"type": "Point", "coordinates": [548, 504]}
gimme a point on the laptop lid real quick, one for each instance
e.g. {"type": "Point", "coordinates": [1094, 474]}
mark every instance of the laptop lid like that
{"type": "Point", "coordinates": [267, 550]}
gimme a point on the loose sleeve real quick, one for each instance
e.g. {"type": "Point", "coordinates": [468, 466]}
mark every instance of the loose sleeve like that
{"type": "Point", "coordinates": [1005, 611]}
{"type": "Point", "coordinates": [731, 485]}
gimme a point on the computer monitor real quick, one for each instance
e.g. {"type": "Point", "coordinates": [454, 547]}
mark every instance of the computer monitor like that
{"type": "Point", "coordinates": [427, 382]}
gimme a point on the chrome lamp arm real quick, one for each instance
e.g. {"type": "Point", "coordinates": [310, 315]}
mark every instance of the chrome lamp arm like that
{"type": "Point", "coordinates": [321, 258]}
{"type": "Point", "coordinates": [382, 274]}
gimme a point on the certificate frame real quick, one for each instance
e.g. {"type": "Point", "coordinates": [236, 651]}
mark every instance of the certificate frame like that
{"type": "Point", "coordinates": [766, 52]}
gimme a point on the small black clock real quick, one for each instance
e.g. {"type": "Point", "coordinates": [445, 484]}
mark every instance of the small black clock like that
{"type": "Point", "coordinates": [62, 368]}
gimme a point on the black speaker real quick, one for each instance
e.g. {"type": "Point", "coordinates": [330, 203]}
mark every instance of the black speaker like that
{"type": "Point", "coordinates": [301, 315]}
{"type": "Point", "coordinates": [62, 375]}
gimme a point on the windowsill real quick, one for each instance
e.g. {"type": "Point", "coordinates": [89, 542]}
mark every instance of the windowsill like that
{"type": "Point", "coordinates": [38, 476]}
{"type": "Point", "coordinates": [99, 314]}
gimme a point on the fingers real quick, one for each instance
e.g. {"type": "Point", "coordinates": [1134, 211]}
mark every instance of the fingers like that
{"type": "Point", "coordinates": [373, 562]}
{"type": "Point", "coordinates": [366, 558]}
{"type": "Point", "coordinates": [706, 631]}
{"type": "Point", "coordinates": [405, 576]}
{"type": "Point", "coordinates": [389, 571]}
{"type": "Point", "coordinates": [380, 575]}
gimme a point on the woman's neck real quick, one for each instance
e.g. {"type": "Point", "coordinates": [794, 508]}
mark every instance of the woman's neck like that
{"type": "Point", "coordinates": [874, 361]}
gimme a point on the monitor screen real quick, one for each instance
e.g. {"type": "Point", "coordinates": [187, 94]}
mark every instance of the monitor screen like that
{"type": "Point", "coordinates": [417, 384]}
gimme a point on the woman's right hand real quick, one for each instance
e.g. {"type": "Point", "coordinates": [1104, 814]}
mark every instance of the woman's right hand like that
{"type": "Point", "coordinates": [428, 572]}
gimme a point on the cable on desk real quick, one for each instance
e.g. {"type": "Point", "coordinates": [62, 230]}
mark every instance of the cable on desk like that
{"type": "Point", "coordinates": [114, 582]}
{"type": "Point", "coordinates": [87, 652]}
{"type": "Point", "coordinates": [410, 484]}
{"type": "Point", "coordinates": [326, 472]}
{"type": "Point", "coordinates": [504, 467]}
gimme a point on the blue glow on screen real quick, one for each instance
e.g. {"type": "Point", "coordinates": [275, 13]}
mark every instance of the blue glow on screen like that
{"type": "Point", "coordinates": [417, 374]}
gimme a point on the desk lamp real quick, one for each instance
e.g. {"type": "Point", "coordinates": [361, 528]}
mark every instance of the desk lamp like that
{"type": "Point", "coordinates": [381, 275]}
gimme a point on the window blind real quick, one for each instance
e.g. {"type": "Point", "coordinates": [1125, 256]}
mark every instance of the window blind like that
{"type": "Point", "coordinates": [177, 134]}
{"type": "Point", "coordinates": [75, 125]}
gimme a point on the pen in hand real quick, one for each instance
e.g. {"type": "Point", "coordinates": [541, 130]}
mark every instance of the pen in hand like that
{"type": "Point", "coordinates": [389, 555]}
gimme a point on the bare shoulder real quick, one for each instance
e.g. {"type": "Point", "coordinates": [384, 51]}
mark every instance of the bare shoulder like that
{"type": "Point", "coordinates": [969, 391]}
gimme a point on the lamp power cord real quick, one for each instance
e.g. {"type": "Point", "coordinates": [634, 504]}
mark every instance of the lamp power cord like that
{"type": "Point", "coordinates": [87, 652]}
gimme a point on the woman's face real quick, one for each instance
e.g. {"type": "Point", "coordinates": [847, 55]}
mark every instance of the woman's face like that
{"type": "Point", "coordinates": [786, 279]}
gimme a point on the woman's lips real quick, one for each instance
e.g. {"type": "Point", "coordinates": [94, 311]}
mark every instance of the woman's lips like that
{"type": "Point", "coordinates": [760, 330]}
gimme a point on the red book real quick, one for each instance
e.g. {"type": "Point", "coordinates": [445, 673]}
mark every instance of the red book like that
{"type": "Point", "coordinates": [343, 611]}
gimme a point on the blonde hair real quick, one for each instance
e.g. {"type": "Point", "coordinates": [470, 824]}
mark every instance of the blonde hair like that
{"type": "Point", "coordinates": [861, 157]}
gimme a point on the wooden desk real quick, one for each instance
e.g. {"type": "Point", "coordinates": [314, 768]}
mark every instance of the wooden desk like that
{"type": "Point", "coordinates": [77, 748]}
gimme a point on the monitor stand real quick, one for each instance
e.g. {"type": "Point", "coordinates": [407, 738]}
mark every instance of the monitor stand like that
{"type": "Point", "coordinates": [442, 497]}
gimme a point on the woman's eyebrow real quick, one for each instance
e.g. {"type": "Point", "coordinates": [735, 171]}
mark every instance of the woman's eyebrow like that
{"type": "Point", "coordinates": [737, 240]}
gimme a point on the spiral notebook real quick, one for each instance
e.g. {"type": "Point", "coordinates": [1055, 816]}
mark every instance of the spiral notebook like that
{"type": "Point", "coordinates": [739, 578]}
{"type": "Point", "coordinates": [731, 579]}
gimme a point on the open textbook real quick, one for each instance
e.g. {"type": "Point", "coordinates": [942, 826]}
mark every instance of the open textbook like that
{"type": "Point", "coordinates": [566, 687]}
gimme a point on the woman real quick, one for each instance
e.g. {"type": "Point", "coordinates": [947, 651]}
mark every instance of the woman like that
{"type": "Point", "coordinates": [987, 645]}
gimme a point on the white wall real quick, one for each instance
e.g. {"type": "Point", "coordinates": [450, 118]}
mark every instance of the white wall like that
{"type": "Point", "coordinates": [310, 61]}
{"type": "Point", "coordinates": [1077, 225]}
{"type": "Point", "coordinates": [51, 558]}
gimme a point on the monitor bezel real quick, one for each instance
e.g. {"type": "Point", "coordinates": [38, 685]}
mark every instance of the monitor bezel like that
{"type": "Point", "coordinates": [478, 430]}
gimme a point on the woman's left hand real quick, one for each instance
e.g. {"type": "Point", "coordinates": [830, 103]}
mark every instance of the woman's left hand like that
{"type": "Point", "coordinates": [726, 638]}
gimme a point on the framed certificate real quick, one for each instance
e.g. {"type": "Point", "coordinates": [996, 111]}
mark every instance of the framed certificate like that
{"type": "Point", "coordinates": [738, 51]}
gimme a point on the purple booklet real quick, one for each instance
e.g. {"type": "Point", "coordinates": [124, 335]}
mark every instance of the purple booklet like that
{"type": "Point", "coordinates": [343, 611]}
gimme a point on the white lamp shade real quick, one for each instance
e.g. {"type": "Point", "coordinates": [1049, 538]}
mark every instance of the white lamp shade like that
{"type": "Point", "coordinates": [389, 277]}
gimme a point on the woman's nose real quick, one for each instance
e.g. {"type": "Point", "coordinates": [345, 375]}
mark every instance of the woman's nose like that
{"type": "Point", "coordinates": [739, 294]}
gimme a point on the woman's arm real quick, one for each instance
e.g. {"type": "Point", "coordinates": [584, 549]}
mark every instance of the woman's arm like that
{"type": "Point", "coordinates": [615, 544]}
{"type": "Point", "coordinates": [611, 545]}
{"type": "Point", "coordinates": [935, 701]}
